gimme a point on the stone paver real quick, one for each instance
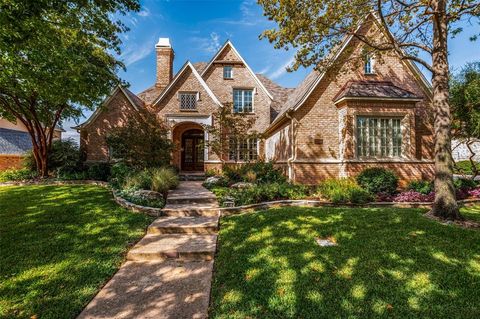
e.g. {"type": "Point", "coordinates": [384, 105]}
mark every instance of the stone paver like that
{"type": "Point", "coordinates": [169, 271]}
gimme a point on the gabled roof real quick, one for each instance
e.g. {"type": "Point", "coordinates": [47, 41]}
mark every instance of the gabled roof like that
{"type": "Point", "coordinates": [13, 142]}
{"type": "Point", "coordinates": [373, 89]}
{"type": "Point", "coordinates": [280, 95]}
{"type": "Point", "coordinates": [134, 100]}
{"type": "Point", "coordinates": [303, 91]}
{"type": "Point", "coordinates": [226, 44]}
{"type": "Point", "coordinates": [187, 65]}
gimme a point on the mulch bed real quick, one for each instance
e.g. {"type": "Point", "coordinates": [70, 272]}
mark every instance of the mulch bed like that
{"type": "Point", "coordinates": [469, 224]}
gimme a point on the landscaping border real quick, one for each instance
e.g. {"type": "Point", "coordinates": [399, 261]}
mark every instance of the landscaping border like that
{"type": "Point", "coordinates": [227, 211]}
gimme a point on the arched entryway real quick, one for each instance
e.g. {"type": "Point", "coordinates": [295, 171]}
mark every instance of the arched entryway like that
{"type": "Point", "coordinates": [192, 150]}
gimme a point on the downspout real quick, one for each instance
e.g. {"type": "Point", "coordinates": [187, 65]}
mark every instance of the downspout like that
{"type": "Point", "coordinates": [293, 156]}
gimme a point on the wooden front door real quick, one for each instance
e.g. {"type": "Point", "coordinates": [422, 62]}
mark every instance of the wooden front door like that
{"type": "Point", "coordinates": [192, 150]}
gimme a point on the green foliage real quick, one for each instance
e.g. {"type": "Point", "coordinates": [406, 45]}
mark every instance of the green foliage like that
{"type": "Point", "coordinates": [341, 191]}
{"type": "Point", "coordinates": [378, 180]}
{"type": "Point", "coordinates": [98, 171]}
{"type": "Point", "coordinates": [16, 175]}
{"type": "Point", "coordinates": [421, 186]}
{"type": "Point", "coordinates": [163, 179]}
{"type": "Point", "coordinates": [139, 180]}
{"type": "Point", "coordinates": [141, 143]}
{"type": "Point", "coordinates": [119, 173]}
{"type": "Point", "coordinates": [58, 58]}
{"type": "Point", "coordinates": [464, 184]}
{"type": "Point", "coordinates": [264, 172]}
{"type": "Point", "coordinates": [59, 246]}
{"type": "Point", "coordinates": [466, 167]}
{"type": "Point", "coordinates": [263, 193]}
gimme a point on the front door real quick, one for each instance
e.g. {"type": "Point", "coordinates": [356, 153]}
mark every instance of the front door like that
{"type": "Point", "coordinates": [192, 150]}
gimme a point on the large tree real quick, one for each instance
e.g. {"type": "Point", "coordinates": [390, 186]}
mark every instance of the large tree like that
{"type": "Point", "coordinates": [465, 103]}
{"type": "Point", "coordinates": [317, 27]}
{"type": "Point", "coordinates": [57, 57]}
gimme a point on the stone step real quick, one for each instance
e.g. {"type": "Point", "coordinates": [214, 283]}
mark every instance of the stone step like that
{"type": "Point", "coordinates": [184, 225]}
{"type": "Point", "coordinates": [182, 247]}
{"type": "Point", "coordinates": [192, 200]}
{"type": "Point", "coordinates": [188, 210]}
{"type": "Point", "coordinates": [192, 177]}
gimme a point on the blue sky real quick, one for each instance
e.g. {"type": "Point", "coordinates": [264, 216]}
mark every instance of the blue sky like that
{"type": "Point", "coordinates": [198, 28]}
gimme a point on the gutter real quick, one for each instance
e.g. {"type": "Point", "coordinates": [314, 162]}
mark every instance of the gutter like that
{"type": "Point", "coordinates": [293, 157]}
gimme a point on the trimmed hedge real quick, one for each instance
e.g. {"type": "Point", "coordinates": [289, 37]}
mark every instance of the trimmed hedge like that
{"type": "Point", "coordinates": [378, 180]}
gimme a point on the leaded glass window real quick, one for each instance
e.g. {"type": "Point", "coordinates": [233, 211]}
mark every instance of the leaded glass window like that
{"type": "Point", "coordinates": [243, 149]}
{"type": "Point", "coordinates": [242, 101]}
{"type": "Point", "coordinates": [188, 101]}
{"type": "Point", "coordinates": [379, 137]}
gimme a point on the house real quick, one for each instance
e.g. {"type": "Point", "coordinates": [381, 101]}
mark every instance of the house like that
{"type": "Point", "coordinates": [15, 141]}
{"type": "Point", "coordinates": [334, 124]}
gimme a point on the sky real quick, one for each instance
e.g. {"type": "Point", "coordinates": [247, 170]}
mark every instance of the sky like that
{"type": "Point", "coordinates": [197, 29]}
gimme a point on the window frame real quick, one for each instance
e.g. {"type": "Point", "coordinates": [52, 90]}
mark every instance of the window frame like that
{"type": "Point", "coordinates": [251, 149]}
{"type": "Point", "coordinates": [243, 90]}
{"type": "Point", "coordinates": [196, 99]}
{"type": "Point", "coordinates": [231, 72]}
{"type": "Point", "coordinates": [395, 149]}
{"type": "Point", "coordinates": [369, 61]}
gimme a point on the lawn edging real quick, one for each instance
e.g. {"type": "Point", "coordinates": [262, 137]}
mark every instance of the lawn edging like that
{"type": "Point", "coordinates": [226, 211]}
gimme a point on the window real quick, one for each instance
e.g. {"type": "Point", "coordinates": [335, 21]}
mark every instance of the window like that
{"type": "Point", "coordinates": [369, 62]}
{"type": "Point", "coordinates": [228, 72]}
{"type": "Point", "coordinates": [243, 149]}
{"type": "Point", "coordinates": [242, 101]}
{"type": "Point", "coordinates": [379, 137]}
{"type": "Point", "coordinates": [188, 101]}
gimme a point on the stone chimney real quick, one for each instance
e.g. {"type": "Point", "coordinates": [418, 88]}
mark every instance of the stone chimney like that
{"type": "Point", "coordinates": [164, 62]}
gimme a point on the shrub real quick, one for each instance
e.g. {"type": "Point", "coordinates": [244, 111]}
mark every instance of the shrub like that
{"type": "Point", "coordinates": [119, 173]}
{"type": "Point", "coordinates": [421, 186]}
{"type": "Point", "coordinates": [465, 167]}
{"type": "Point", "coordinates": [378, 180]}
{"type": "Point", "coordinates": [163, 179]}
{"type": "Point", "coordinates": [264, 173]}
{"type": "Point", "coordinates": [464, 184]}
{"type": "Point", "coordinates": [64, 158]}
{"type": "Point", "coordinates": [68, 176]}
{"type": "Point", "coordinates": [474, 192]}
{"type": "Point", "coordinates": [138, 180]}
{"type": "Point", "coordinates": [15, 175]}
{"type": "Point", "coordinates": [413, 196]}
{"type": "Point", "coordinates": [98, 171]}
{"type": "Point", "coordinates": [343, 191]}
{"type": "Point", "coordinates": [142, 201]}
{"type": "Point", "coordinates": [250, 177]}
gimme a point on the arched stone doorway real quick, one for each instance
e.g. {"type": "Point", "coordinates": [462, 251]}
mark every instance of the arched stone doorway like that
{"type": "Point", "coordinates": [189, 140]}
{"type": "Point", "coordinates": [192, 151]}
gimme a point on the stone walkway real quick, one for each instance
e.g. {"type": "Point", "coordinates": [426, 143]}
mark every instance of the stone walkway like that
{"type": "Point", "coordinates": [168, 272]}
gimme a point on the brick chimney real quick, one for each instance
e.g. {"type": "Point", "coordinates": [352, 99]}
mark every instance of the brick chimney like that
{"type": "Point", "coordinates": [164, 62]}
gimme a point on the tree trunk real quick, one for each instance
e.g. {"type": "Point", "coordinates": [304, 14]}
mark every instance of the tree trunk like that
{"type": "Point", "coordinates": [445, 205]}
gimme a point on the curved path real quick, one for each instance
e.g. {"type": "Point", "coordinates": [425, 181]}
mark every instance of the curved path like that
{"type": "Point", "coordinates": [168, 272]}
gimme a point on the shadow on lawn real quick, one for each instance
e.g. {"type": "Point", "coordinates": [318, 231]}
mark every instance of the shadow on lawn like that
{"type": "Point", "coordinates": [59, 244]}
{"type": "Point", "coordinates": [388, 262]}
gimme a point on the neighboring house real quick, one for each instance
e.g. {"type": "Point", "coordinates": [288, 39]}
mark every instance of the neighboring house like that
{"type": "Point", "coordinates": [333, 124]}
{"type": "Point", "coordinates": [15, 141]}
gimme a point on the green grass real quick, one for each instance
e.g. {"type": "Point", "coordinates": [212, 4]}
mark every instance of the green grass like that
{"type": "Point", "coordinates": [59, 245]}
{"type": "Point", "coordinates": [389, 263]}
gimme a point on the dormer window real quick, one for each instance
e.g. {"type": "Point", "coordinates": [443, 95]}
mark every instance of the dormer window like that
{"type": "Point", "coordinates": [188, 101]}
{"type": "Point", "coordinates": [228, 72]}
{"type": "Point", "coordinates": [369, 63]}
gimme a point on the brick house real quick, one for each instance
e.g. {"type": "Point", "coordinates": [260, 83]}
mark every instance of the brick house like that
{"type": "Point", "coordinates": [15, 141]}
{"type": "Point", "coordinates": [333, 124]}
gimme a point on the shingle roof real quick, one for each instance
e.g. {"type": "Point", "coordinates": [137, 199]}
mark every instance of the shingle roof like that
{"type": "Point", "coordinates": [14, 142]}
{"type": "Point", "coordinates": [280, 94]}
{"type": "Point", "coordinates": [373, 89]}
{"type": "Point", "coordinates": [200, 66]}
{"type": "Point", "coordinates": [300, 91]}
{"type": "Point", "coordinates": [135, 99]}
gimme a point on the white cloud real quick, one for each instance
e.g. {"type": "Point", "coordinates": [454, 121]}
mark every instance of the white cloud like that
{"type": "Point", "coordinates": [282, 69]}
{"type": "Point", "coordinates": [134, 53]}
{"type": "Point", "coordinates": [265, 69]}
{"type": "Point", "coordinates": [250, 15]}
{"type": "Point", "coordinates": [145, 12]}
{"type": "Point", "coordinates": [209, 44]}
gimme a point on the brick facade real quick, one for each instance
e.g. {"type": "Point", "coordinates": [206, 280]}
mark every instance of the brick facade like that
{"type": "Point", "coordinates": [10, 161]}
{"type": "Point", "coordinates": [313, 141]}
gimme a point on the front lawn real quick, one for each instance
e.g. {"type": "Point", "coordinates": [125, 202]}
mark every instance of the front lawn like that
{"type": "Point", "coordinates": [391, 263]}
{"type": "Point", "coordinates": [59, 245]}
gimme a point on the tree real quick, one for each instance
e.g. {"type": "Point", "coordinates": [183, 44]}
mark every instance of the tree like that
{"type": "Point", "coordinates": [465, 103]}
{"type": "Point", "coordinates": [228, 130]}
{"type": "Point", "coordinates": [141, 143]}
{"type": "Point", "coordinates": [316, 29]}
{"type": "Point", "coordinates": [56, 59]}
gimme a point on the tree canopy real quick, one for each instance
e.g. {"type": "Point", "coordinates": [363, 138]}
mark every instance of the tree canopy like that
{"type": "Point", "coordinates": [56, 59]}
